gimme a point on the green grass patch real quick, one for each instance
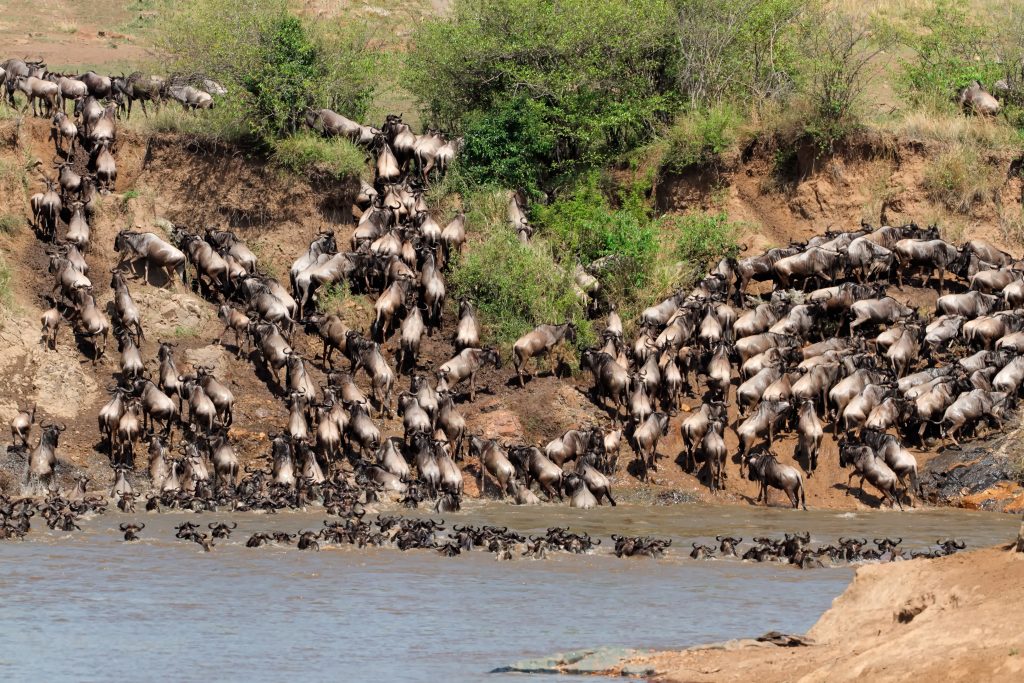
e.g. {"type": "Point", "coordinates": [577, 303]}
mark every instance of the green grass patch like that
{"type": "Point", "coordinates": [310, 154]}
{"type": "Point", "coordinates": [218, 125]}
{"type": "Point", "coordinates": [700, 137]}
{"type": "Point", "coordinates": [331, 298]}
{"type": "Point", "coordinates": [185, 331]}
{"type": "Point", "coordinates": [515, 286]}
{"type": "Point", "coordinates": [701, 239]}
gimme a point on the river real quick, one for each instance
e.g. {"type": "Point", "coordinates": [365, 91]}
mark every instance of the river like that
{"type": "Point", "coordinates": [87, 606]}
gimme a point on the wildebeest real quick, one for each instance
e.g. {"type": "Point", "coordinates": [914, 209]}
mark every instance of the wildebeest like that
{"type": "Point", "coordinates": [870, 467]}
{"type": "Point", "coordinates": [765, 468]}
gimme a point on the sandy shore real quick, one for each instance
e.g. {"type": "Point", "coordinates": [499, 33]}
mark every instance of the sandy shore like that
{"type": "Point", "coordinates": [957, 618]}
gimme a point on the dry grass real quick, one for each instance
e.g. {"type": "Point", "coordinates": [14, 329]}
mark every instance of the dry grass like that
{"type": "Point", "coordinates": [1011, 225]}
{"type": "Point", "coordinates": [955, 129]}
{"type": "Point", "coordinates": [881, 190]}
{"type": "Point", "coordinates": [6, 298]}
{"type": "Point", "coordinates": [961, 179]}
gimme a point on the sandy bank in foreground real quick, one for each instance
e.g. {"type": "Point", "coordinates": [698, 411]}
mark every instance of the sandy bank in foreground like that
{"type": "Point", "coordinates": [953, 619]}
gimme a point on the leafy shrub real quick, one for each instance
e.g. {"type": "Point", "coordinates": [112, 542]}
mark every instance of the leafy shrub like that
{"type": "Point", "coordinates": [515, 286]}
{"type": "Point", "coordinates": [271, 62]}
{"type": "Point", "coordinates": [700, 136]}
{"type": "Point", "coordinates": [960, 179]}
{"type": "Point", "coordinates": [583, 228]}
{"type": "Point", "coordinates": [595, 73]}
{"type": "Point", "coordinates": [702, 239]}
{"type": "Point", "coordinates": [511, 145]}
{"type": "Point", "coordinates": [837, 61]}
{"type": "Point", "coordinates": [951, 45]}
{"type": "Point", "coordinates": [307, 154]}
{"type": "Point", "coordinates": [286, 72]}
{"type": "Point", "coordinates": [332, 297]}
{"type": "Point", "coordinates": [741, 52]}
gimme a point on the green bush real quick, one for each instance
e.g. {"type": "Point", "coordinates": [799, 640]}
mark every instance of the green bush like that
{"type": "Point", "coordinates": [702, 239]}
{"type": "Point", "coordinates": [510, 145]}
{"type": "Point", "coordinates": [700, 136]}
{"type": "Point", "coordinates": [838, 59]}
{"type": "Point", "coordinates": [309, 154]}
{"type": "Point", "coordinates": [285, 75]}
{"type": "Point", "coordinates": [594, 72]}
{"type": "Point", "coordinates": [952, 45]}
{"type": "Point", "coordinates": [741, 52]}
{"type": "Point", "coordinates": [271, 62]}
{"type": "Point", "coordinates": [515, 286]}
{"type": "Point", "coordinates": [583, 227]}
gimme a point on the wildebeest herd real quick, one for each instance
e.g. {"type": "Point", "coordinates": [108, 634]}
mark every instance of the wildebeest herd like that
{"type": "Point", "coordinates": [826, 344]}
{"type": "Point", "coordinates": [351, 528]}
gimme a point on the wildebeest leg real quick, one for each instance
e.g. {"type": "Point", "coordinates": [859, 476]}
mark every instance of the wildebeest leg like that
{"type": "Point", "coordinates": [238, 344]}
{"type": "Point", "coordinates": [472, 387]}
{"type": "Point", "coordinates": [951, 433]}
{"type": "Point", "coordinates": [849, 481]}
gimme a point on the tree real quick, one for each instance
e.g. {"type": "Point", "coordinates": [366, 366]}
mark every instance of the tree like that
{"type": "Point", "coordinates": [597, 73]}
{"type": "Point", "coordinates": [271, 62]}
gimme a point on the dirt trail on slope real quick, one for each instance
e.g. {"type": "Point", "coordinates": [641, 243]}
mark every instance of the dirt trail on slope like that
{"type": "Point", "coordinates": [950, 619]}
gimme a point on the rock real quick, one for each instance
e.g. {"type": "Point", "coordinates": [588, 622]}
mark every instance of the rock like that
{"type": "Point", "coordinates": [500, 424]}
{"type": "Point", "coordinates": [603, 660]}
{"type": "Point", "coordinates": [784, 639]}
{"type": "Point", "coordinates": [62, 388]}
{"type": "Point", "coordinates": [1007, 496]}
{"type": "Point", "coordinates": [211, 356]}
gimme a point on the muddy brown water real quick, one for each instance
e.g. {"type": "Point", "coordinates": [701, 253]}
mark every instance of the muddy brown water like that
{"type": "Point", "coordinates": [88, 606]}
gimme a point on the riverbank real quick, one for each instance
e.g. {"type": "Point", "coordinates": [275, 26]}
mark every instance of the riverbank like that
{"type": "Point", "coordinates": [951, 619]}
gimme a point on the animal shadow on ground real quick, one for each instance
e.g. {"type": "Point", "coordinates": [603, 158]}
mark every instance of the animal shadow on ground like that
{"type": "Point", "coordinates": [861, 495]}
